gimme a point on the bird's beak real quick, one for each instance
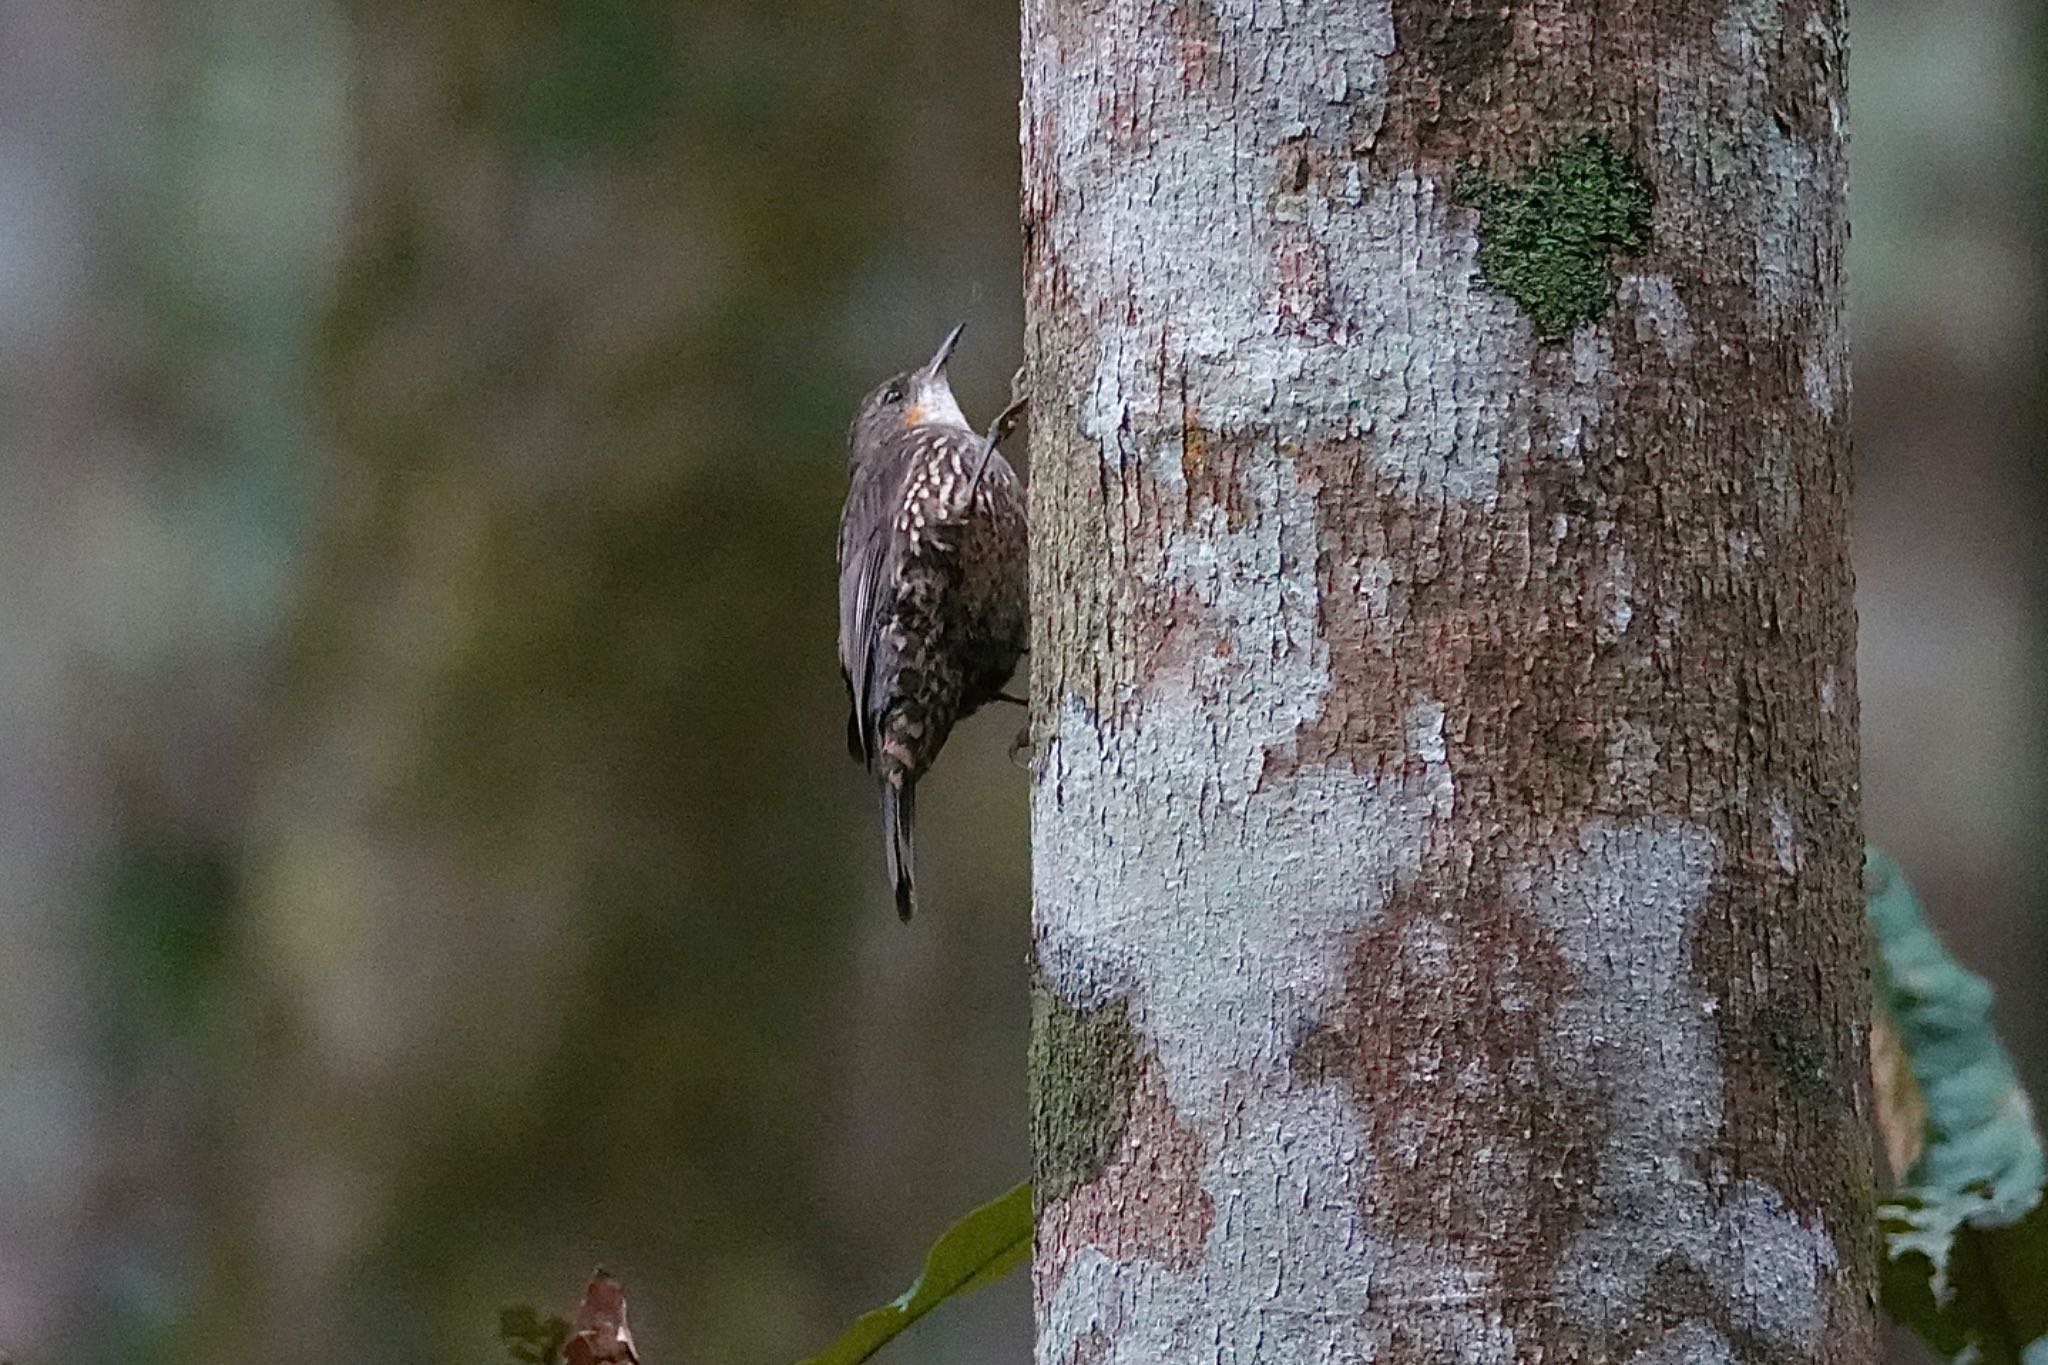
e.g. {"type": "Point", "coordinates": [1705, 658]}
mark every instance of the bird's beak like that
{"type": "Point", "coordinates": [937, 364]}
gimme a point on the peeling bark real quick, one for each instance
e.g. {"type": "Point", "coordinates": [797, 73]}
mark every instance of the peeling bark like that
{"type": "Point", "coordinates": [1446, 819]}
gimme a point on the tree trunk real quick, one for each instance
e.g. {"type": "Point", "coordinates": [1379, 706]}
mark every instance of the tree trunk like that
{"type": "Point", "coordinates": [1447, 845]}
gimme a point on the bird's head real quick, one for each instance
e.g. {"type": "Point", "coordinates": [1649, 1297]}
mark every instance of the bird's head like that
{"type": "Point", "coordinates": [919, 397]}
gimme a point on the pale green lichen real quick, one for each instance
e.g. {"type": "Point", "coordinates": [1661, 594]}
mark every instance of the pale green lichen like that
{"type": "Point", "coordinates": [1083, 1069]}
{"type": "Point", "coordinates": [1546, 240]}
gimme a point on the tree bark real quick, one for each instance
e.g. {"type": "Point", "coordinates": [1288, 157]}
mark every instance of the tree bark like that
{"type": "Point", "coordinates": [1447, 846]}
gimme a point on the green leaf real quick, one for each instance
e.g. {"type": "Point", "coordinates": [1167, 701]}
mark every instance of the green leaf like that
{"type": "Point", "coordinates": [982, 1247]}
{"type": "Point", "coordinates": [1966, 1237]}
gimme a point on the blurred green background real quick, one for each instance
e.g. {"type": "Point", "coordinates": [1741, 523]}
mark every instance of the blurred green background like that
{"type": "Point", "coordinates": [428, 862]}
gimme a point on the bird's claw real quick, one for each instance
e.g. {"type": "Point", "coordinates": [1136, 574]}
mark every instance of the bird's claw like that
{"type": "Point", "coordinates": [1006, 420]}
{"type": "Point", "coordinates": [1000, 429]}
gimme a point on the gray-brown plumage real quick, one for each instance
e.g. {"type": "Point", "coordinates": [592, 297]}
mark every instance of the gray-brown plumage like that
{"type": "Point", "coordinates": [932, 587]}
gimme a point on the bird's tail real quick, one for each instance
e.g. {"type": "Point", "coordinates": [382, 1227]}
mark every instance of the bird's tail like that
{"type": "Point", "coordinates": [899, 806]}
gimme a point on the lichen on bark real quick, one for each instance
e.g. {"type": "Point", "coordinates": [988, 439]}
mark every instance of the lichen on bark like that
{"type": "Point", "coordinates": [1447, 735]}
{"type": "Point", "coordinates": [1546, 240]}
{"type": "Point", "coordinates": [1083, 1071]}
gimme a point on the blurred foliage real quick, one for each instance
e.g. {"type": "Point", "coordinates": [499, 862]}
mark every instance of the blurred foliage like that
{"type": "Point", "coordinates": [531, 1337]}
{"type": "Point", "coordinates": [545, 913]}
{"type": "Point", "coordinates": [576, 466]}
{"type": "Point", "coordinates": [1966, 1236]}
{"type": "Point", "coordinates": [167, 918]}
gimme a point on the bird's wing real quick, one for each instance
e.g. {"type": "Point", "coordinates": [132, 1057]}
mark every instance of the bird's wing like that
{"type": "Point", "coordinates": [867, 574]}
{"type": "Point", "coordinates": [924, 478]}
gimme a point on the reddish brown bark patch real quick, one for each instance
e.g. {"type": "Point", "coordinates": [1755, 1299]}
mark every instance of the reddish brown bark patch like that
{"type": "Point", "coordinates": [1306, 306]}
{"type": "Point", "coordinates": [1445, 50]}
{"type": "Point", "coordinates": [1438, 1039]}
{"type": "Point", "coordinates": [1213, 464]}
{"type": "Point", "coordinates": [1429, 601]}
{"type": "Point", "coordinates": [1148, 1202]}
{"type": "Point", "coordinates": [1198, 50]}
{"type": "Point", "coordinates": [1778, 1056]}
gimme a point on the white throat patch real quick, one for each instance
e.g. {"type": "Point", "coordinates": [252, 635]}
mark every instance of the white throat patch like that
{"type": "Point", "coordinates": [938, 407]}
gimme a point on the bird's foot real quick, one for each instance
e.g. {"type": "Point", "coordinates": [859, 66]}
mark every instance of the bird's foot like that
{"type": "Point", "coordinates": [1013, 700]}
{"type": "Point", "coordinates": [1000, 429]}
{"type": "Point", "coordinates": [1006, 420]}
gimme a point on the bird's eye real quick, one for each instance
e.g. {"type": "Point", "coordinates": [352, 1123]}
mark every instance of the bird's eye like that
{"type": "Point", "coordinates": [893, 394]}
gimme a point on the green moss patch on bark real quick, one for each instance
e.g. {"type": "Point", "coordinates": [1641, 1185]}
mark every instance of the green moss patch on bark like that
{"type": "Point", "coordinates": [1546, 240]}
{"type": "Point", "coordinates": [1083, 1072]}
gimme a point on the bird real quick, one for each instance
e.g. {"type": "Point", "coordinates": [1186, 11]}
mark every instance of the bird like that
{"type": "Point", "coordinates": [933, 585]}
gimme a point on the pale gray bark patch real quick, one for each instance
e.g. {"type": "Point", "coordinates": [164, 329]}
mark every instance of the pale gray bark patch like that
{"type": "Point", "coordinates": [1197, 895]}
{"type": "Point", "coordinates": [1575, 408]}
{"type": "Point", "coordinates": [1247, 302]}
{"type": "Point", "coordinates": [1784, 837]}
{"type": "Point", "coordinates": [1636, 1028]}
{"type": "Point", "coordinates": [1788, 240]}
{"type": "Point", "coordinates": [1820, 385]}
{"type": "Point", "coordinates": [1256, 585]}
{"type": "Point", "coordinates": [1201, 901]}
{"type": "Point", "coordinates": [1336, 56]}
